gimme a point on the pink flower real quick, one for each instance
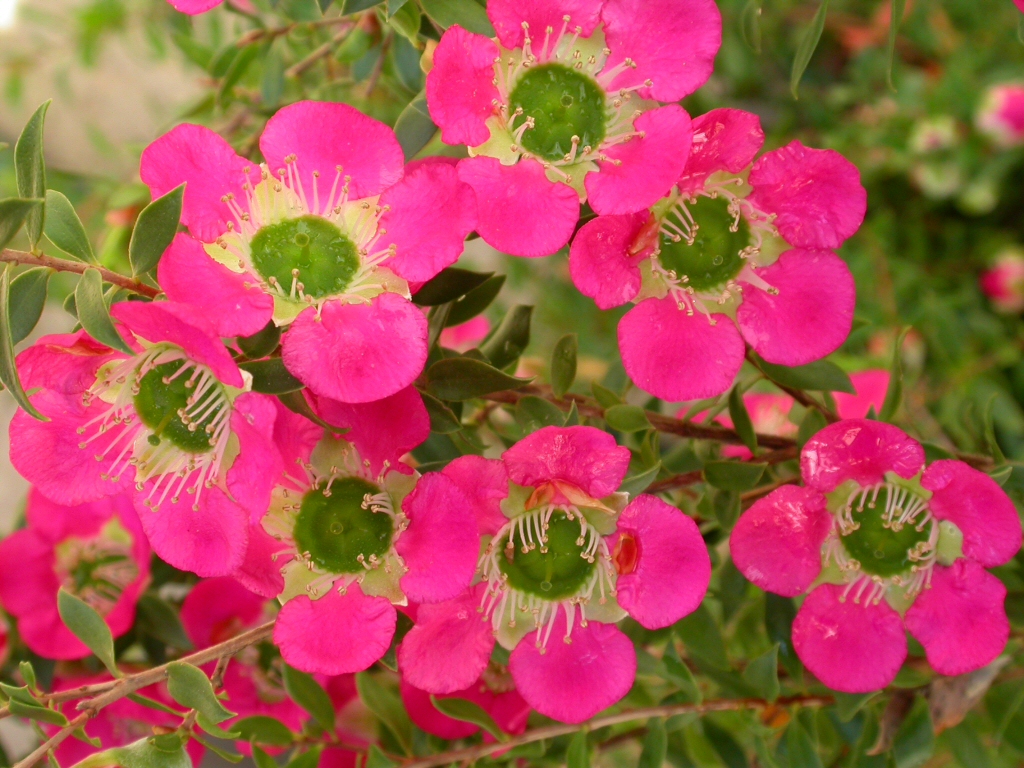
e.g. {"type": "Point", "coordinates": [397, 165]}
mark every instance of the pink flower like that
{"type": "Point", "coordinates": [494, 692]}
{"type": "Point", "coordinates": [1001, 114]}
{"type": "Point", "coordinates": [566, 560]}
{"type": "Point", "coordinates": [467, 335]}
{"type": "Point", "coordinates": [172, 421]}
{"type": "Point", "coordinates": [728, 256]}
{"type": "Point", "coordinates": [562, 107]}
{"type": "Point", "coordinates": [883, 545]}
{"type": "Point", "coordinates": [324, 238]}
{"type": "Point", "coordinates": [1019, 4]}
{"type": "Point", "coordinates": [1004, 282]}
{"type": "Point", "coordinates": [358, 533]}
{"type": "Point", "coordinates": [96, 551]}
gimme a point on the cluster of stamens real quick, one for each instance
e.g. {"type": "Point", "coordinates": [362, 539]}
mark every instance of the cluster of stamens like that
{"type": "Point", "coordinates": [97, 570]}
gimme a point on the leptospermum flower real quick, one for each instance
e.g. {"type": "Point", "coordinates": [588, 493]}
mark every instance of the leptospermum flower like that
{"type": "Point", "coordinates": [97, 551]}
{"type": "Point", "coordinates": [1001, 114]}
{"type": "Point", "coordinates": [324, 238]}
{"type": "Point", "coordinates": [562, 106]}
{"type": "Point", "coordinates": [735, 253]}
{"type": "Point", "coordinates": [360, 532]}
{"type": "Point", "coordinates": [566, 559]}
{"type": "Point", "coordinates": [494, 692]}
{"type": "Point", "coordinates": [172, 422]}
{"type": "Point", "coordinates": [1003, 283]}
{"type": "Point", "coordinates": [883, 545]}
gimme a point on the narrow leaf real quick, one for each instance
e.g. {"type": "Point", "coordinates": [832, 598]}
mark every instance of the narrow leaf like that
{"type": "Point", "coordinates": [414, 127]}
{"type": "Point", "coordinates": [627, 418]}
{"type": "Point", "coordinates": [463, 378]}
{"type": "Point", "coordinates": [93, 313]}
{"type": "Point", "coordinates": [30, 169]}
{"type": "Point", "coordinates": [28, 297]}
{"type": "Point", "coordinates": [822, 376]}
{"type": "Point", "coordinates": [750, 24]}
{"type": "Point", "coordinates": [811, 424]}
{"type": "Point", "coordinates": [386, 705]}
{"type": "Point", "coordinates": [638, 483]}
{"type": "Point", "coordinates": [13, 212]}
{"type": "Point", "coordinates": [377, 759]}
{"type": "Point", "coordinates": [191, 688]}
{"type": "Point", "coordinates": [89, 627]}
{"type": "Point", "coordinates": [804, 52]}
{"type": "Point", "coordinates": [158, 619]}
{"type": "Point", "coordinates": [655, 745]}
{"type": "Point", "coordinates": [801, 750]}
{"type": "Point", "coordinates": [466, 13]}
{"type": "Point", "coordinates": [702, 637]}
{"type": "Point", "coordinates": [894, 393]}
{"type": "Point", "coordinates": [563, 364]}
{"type": "Point", "coordinates": [533, 413]}
{"type": "Point", "coordinates": [64, 229]}
{"type": "Point", "coordinates": [154, 231]}
{"type": "Point", "coordinates": [442, 418]}
{"type": "Point", "coordinates": [578, 753]}
{"type": "Point", "coordinates": [271, 377]}
{"type": "Point", "coordinates": [504, 346]}
{"type": "Point", "coordinates": [469, 712]}
{"type": "Point", "coordinates": [261, 343]}
{"type": "Point", "coordinates": [296, 403]}
{"type": "Point", "coordinates": [448, 285]}
{"type": "Point", "coordinates": [308, 694]}
{"type": "Point", "coordinates": [763, 673]}
{"type": "Point", "coordinates": [476, 301]}
{"type": "Point", "coordinates": [264, 730]}
{"type": "Point", "coordinates": [733, 475]}
{"type": "Point", "coordinates": [895, 17]}
{"type": "Point", "coordinates": [261, 758]}
{"type": "Point", "coordinates": [42, 714]}
{"type": "Point", "coordinates": [741, 420]}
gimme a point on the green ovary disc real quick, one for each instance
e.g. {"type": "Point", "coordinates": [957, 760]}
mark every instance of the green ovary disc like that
{"type": "Point", "coordinates": [882, 551]}
{"type": "Point", "coordinates": [160, 404]}
{"type": "Point", "coordinates": [714, 258]}
{"type": "Point", "coordinates": [325, 258]}
{"type": "Point", "coordinates": [553, 575]}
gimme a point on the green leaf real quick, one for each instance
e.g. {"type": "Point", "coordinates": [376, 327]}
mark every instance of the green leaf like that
{"type": "Point", "coordinates": [725, 745]}
{"type": "Point", "coordinates": [895, 17]}
{"type": "Point", "coordinates": [393, 6]}
{"type": "Point", "coordinates": [414, 127]}
{"type": "Point", "coordinates": [563, 364]}
{"type": "Point", "coordinates": [355, 6]}
{"type": "Point", "coordinates": [821, 375]}
{"type": "Point", "coordinates": [64, 229]}
{"type": "Point", "coordinates": [533, 413]}
{"type": "Point", "coordinates": [20, 693]}
{"type": "Point", "coordinates": [261, 343]}
{"type": "Point", "coordinates": [750, 24]}
{"type": "Point", "coordinates": [801, 750]}
{"type": "Point", "coordinates": [448, 285]}
{"type": "Point", "coordinates": [28, 297]}
{"type": "Point", "coordinates": [733, 475]}
{"type": "Point", "coordinates": [741, 420]}
{"type": "Point", "coordinates": [990, 432]}
{"type": "Point", "coordinates": [469, 712]}
{"type": "Point", "coordinates": [145, 753]}
{"type": "Point", "coordinates": [726, 506]}
{"type": "Point", "coordinates": [377, 759]}
{"type": "Point", "coordinates": [191, 688]}
{"type": "Point", "coordinates": [702, 637]}
{"type": "Point", "coordinates": [239, 66]}
{"type": "Point", "coordinates": [31, 712]}
{"type": "Point", "coordinates": [436, 319]}
{"type": "Point", "coordinates": [13, 212]}
{"type": "Point", "coordinates": [466, 13]}
{"type": "Point", "coordinates": [261, 758]}
{"type": "Point", "coordinates": [407, 21]}
{"type": "Point", "coordinates": [463, 378]}
{"type": "Point", "coordinates": [271, 377]}
{"type": "Point", "coordinates": [158, 619]}
{"type": "Point", "coordinates": [804, 51]}
{"type": "Point", "coordinates": [915, 739]}
{"type": "Point", "coordinates": [655, 745]}
{"type": "Point", "coordinates": [680, 675]}
{"type": "Point", "coordinates": [476, 301]}
{"type": "Point", "coordinates": [627, 418]}
{"type": "Point", "coordinates": [149, 703]}
{"type": "Point", "coordinates": [762, 673]}
{"type": "Point", "coordinates": [223, 754]}
{"type": "Point", "coordinates": [572, 417]}
{"type": "Point", "coordinates": [154, 230]}
{"type": "Point", "coordinates": [604, 396]}
{"type": "Point", "coordinates": [504, 346]}
{"type": "Point", "coordinates": [213, 729]}
{"type": "Point", "coordinates": [849, 704]}
{"type": "Point", "coordinates": [578, 753]}
{"type": "Point", "coordinates": [264, 730]}
{"type": "Point", "coordinates": [89, 627]}
{"type": "Point", "coordinates": [894, 392]}
{"type": "Point", "coordinates": [442, 419]}
{"type": "Point", "coordinates": [30, 170]}
{"type": "Point", "coordinates": [811, 424]}
{"type": "Point", "coordinates": [779, 613]}
{"type": "Point", "coordinates": [308, 694]}
{"type": "Point", "coordinates": [388, 708]}
{"type": "Point", "coordinates": [296, 403]}
{"type": "Point", "coordinates": [93, 313]}
{"type": "Point", "coordinates": [638, 483]}
{"type": "Point", "coordinates": [28, 674]}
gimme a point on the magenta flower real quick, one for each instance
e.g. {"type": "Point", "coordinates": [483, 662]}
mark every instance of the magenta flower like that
{"type": "Point", "coordinates": [465, 336]}
{"type": "Point", "coordinates": [172, 421]}
{"type": "Point", "coordinates": [703, 265]}
{"type": "Point", "coordinates": [494, 692]}
{"type": "Point", "coordinates": [562, 107]}
{"type": "Point", "coordinates": [1001, 114]}
{"type": "Point", "coordinates": [358, 533]}
{"type": "Point", "coordinates": [1004, 282]}
{"type": "Point", "coordinates": [883, 545]}
{"type": "Point", "coordinates": [324, 237]}
{"type": "Point", "coordinates": [566, 559]}
{"type": "Point", "coordinates": [96, 551]}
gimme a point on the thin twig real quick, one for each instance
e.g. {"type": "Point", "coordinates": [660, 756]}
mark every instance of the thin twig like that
{"type": "Point", "coordinates": [324, 50]}
{"type": "Point", "coordinates": [256, 35]}
{"type": "Point", "coordinates": [79, 267]}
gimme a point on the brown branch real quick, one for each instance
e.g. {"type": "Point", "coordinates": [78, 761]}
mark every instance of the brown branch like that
{"type": "Point", "coordinates": [256, 35]}
{"type": "Point", "coordinates": [324, 50]}
{"type": "Point", "coordinates": [799, 395]}
{"type": "Point", "coordinates": [470, 754]}
{"type": "Point", "coordinates": [79, 267]}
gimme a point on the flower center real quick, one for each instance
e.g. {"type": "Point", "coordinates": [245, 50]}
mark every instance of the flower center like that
{"type": "Point", "coordinates": [707, 250]}
{"type": "Point", "coordinates": [308, 253]}
{"type": "Point", "coordinates": [98, 569]}
{"type": "Point", "coordinates": [886, 530]}
{"type": "Point", "coordinates": [567, 109]}
{"type": "Point", "coordinates": [556, 564]}
{"type": "Point", "coordinates": [177, 410]}
{"type": "Point", "coordinates": [341, 529]}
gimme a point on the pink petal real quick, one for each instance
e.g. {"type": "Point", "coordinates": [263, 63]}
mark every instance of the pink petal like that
{"type": "Point", "coordinates": [218, 609]}
{"type": "Point", "coordinates": [429, 718]}
{"type": "Point", "coordinates": [507, 709]}
{"type": "Point", "coordinates": [54, 522]}
{"type": "Point", "coordinates": [859, 450]}
{"type": "Point", "coordinates": [357, 353]}
{"type": "Point", "coordinates": [871, 387]}
{"type": "Point", "coordinates": [260, 571]}
{"type": "Point", "coordinates": [464, 336]}
{"type": "Point", "coordinates": [671, 570]}
{"type": "Point", "coordinates": [164, 321]}
{"type": "Point", "coordinates": [459, 87]}
{"type": "Point", "coordinates": [485, 483]}
{"type": "Point", "coordinates": [960, 620]}
{"type": "Point", "coordinates": [431, 212]}
{"type": "Point", "coordinates": [1019, 4]}
{"type": "Point", "coordinates": [336, 634]}
{"type": "Point", "coordinates": [673, 43]}
{"type": "Point", "coordinates": [811, 315]}
{"type": "Point", "coordinates": [519, 210]}
{"type": "Point", "coordinates": [649, 164]}
{"type": "Point", "coordinates": [572, 682]}
{"type": "Point", "coordinates": [850, 647]}
{"type": "Point", "coordinates": [676, 356]}
{"type": "Point", "coordinates": [384, 430]}
{"type": "Point", "coordinates": [583, 456]}
{"type": "Point", "coordinates": [600, 261]}
{"type": "Point", "coordinates": [210, 541]}
{"type": "Point", "coordinates": [816, 194]}
{"type": "Point", "coordinates": [776, 543]}
{"type": "Point", "coordinates": [450, 644]}
{"type": "Point", "coordinates": [197, 157]}
{"type": "Point", "coordinates": [975, 504]}
{"type": "Point", "coordinates": [295, 435]}
{"type": "Point", "coordinates": [323, 135]}
{"type": "Point", "coordinates": [731, 138]}
{"type": "Point", "coordinates": [255, 470]}
{"type": "Point", "coordinates": [232, 302]}
{"type": "Point", "coordinates": [28, 580]}
{"type": "Point", "coordinates": [441, 544]}
{"type": "Point", "coordinates": [65, 362]}
{"type": "Point", "coordinates": [508, 16]}
{"type": "Point", "coordinates": [194, 7]}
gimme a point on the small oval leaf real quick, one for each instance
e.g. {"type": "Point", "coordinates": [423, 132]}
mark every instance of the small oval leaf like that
{"type": "Point", "coordinates": [154, 231]}
{"type": "Point", "coordinates": [93, 313]}
{"type": "Point", "coordinates": [13, 212]}
{"type": "Point", "coordinates": [808, 43]}
{"type": "Point", "coordinates": [563, 364]}
{"type": "Point", "coordinates": [8, 370]}
{"type": "Point", "coordinates": [89, 627]}
{"type": "Point", "coordinates": [463, 378]}
{"type": "Point", "coordinates": [65, 230]}
{"type": "Point", "coordinates": [28, 297]}
{"type": "Point", "coordinates": [271, 377]}
{"type": "Point", "coordinates": [191, 688]}
{"type": "Point", "coordinates": [30, 169]}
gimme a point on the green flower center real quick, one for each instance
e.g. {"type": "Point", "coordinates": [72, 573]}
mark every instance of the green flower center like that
{"type": "Point", "coordinates": [554, 569]}
{"type": "Point", "coordinates": [164, 405]}
{"type": "Point", "coordinates": [98, 569]}
{"type": "Point", "coordinates": [881, 543]}
{"type": "Point", "coordinates": [310, 250]}
{"type": "Point", "coordinates": [563, 103]}
{"type": "Point", "coordinates": [339, 529]}
{"type": "Point", "coordinates": [713, 258]}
